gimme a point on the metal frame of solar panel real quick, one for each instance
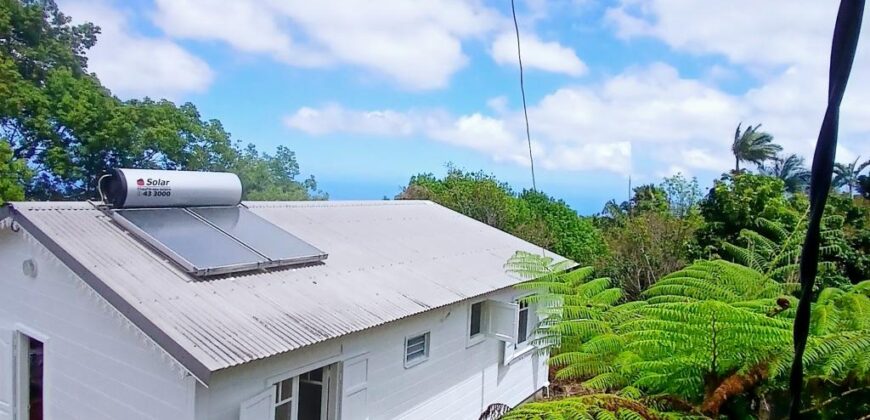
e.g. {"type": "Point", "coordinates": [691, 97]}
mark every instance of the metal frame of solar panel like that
{"type": "Point", "coordinates": [208, 241]}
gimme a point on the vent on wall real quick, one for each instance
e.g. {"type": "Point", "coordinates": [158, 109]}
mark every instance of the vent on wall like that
{"type": "Point", "coordinates": [202, 236]}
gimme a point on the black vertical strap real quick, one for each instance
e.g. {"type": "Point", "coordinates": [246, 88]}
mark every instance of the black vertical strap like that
{"type": "Point", "coordinates": [843, 47]}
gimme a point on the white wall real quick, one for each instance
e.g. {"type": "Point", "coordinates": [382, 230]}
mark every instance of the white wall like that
{"type": "Point", "coordinates": [97, 364]}
{"type": "Point", "coordinates": [456, 382]}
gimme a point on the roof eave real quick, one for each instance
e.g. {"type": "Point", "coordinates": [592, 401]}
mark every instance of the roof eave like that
{"type": "Point", "coordinates": [193, 365]}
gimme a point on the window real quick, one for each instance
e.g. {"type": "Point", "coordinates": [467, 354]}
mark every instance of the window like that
{"type": "Point", "coordinates": [284, 399]}
{"type": "Point", "coordinates": [475, 319]}
{"type": "Point", "coordinates": [309, 396]}
{"type": "Point", "coordinates": [416, 349]}
{"type": "Point", "coordinates": [30, 358]}
{"type": "Point", "coordinates": [523, 324]}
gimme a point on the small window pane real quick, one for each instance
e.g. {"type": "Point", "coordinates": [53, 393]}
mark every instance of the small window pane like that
{"type": "Point", "coordinates": [286, 389]}
{"type": "Point", "coordinates": [476, 310]}
{"type": "Point", "coordinates": [523, 326]}
{"type": "Point", "coordinates": [282, 412]}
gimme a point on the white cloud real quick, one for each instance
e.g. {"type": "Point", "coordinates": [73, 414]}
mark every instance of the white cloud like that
{"type": "Point", "coordinates": [483, 134]}
{"type": "Point", "coordinates": [643, 110]}
{"type": "Point", "coordinates": [417, 44]}
{"type": "Point", "coordinates": [745, 31]}
{"type": "Point", "coordinates": [785, 48]}
{"type": "Point", "coordinates": [133, 65]}
{"type": "Point", "coordinates": [243, 24]}
{"type": "Point", "coordinates": [333, 118]}
{"type": "Point", "coordinates": [537, 54]}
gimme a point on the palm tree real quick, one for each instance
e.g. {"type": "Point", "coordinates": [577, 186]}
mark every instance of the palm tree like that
{"type": "Point", "coordinates": [846, 175]}
{"type": "Point", "coordinates": [790, 169]}
{"type": "Point", "coordinates": [753, 146]}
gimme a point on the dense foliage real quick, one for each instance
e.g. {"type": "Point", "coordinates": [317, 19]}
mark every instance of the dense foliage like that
{"type": "Point", "coordinates": [691, 311]}
{"type": "Point", "coordinates": [60, 128]}
{"type": "Point", "coordinates": [711, 339]}
{"type": "Point", "coordinates": [533, 216]}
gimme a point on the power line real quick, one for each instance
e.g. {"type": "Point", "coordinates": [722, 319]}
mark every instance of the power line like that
{"type": "Point", "coordinates": [523, 91]}
{"type": "Point", "coordinates": [843, 47]}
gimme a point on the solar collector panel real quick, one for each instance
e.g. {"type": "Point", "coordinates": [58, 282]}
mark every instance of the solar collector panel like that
{"type": "Point", "coordinates": [280, 246]}
{"type": "Point", "coordinates": [200, 248]}
{"type": "Point", "coordinates": [217, 240]}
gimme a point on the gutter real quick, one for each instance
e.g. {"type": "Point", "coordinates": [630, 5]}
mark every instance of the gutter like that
{"type": "Point", "coordinates": [196, 368]}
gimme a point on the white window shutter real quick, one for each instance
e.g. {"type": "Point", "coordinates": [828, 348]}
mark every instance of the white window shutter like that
{"type": "Point", "coordinates": [260, 407]}
{"type": "Point", "coordinates": [354, 378]}
{"type": "Point", "coordinates": [503, 320]}
{"type": "Point", "coordinates": [6, 369]}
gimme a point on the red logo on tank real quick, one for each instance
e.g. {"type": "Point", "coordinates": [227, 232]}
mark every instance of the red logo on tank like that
{"type": "Point", "coordinates": [140, 182]}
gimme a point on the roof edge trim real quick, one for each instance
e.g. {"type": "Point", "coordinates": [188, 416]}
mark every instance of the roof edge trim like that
{"type": "Point", "coordinates": [196, 368]}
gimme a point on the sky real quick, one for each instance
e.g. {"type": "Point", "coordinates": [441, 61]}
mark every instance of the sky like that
{"type": "Point", "coordinates": [369, 93]}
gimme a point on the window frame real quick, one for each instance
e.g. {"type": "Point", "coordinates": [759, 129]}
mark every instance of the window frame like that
{"type": "Point", "coordinates": [471, 340]}
{"type": "Point", "coordinates": [514, 351]}
{"type": "Point", "coordinates": [294, 396]}
{"type": "Point", "coordinates": [523, 340]}
{"type": "Point", "coordinates": [329, 382]}
{"type": "Point", "coordinates": [427, 339]}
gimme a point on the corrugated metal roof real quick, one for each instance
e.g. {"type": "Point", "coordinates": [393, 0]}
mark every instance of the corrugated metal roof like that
{"type": "Point", "coordinates": [387, 260]}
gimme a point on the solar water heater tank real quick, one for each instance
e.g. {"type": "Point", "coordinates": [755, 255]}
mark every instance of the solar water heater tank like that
{"type": "Point", "coordinates": [137, 188]}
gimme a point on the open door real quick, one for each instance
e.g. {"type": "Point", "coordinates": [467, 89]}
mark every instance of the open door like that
{"type": "Point", "coordinates": [503, 320]}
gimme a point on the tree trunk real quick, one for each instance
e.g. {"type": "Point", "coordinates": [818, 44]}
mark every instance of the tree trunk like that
{"type": "Point", "coordinates": [736, 165]}
{"type": "Point", "coordinates": [732, 386]}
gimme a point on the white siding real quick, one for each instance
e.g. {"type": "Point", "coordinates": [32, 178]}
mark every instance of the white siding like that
{"type": "Point", "coordinates": [97, 364]}
{"type": "Point", "coordinates": [456, 382]}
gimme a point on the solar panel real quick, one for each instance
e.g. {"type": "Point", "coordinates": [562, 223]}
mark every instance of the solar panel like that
{"type": "Point", "coordinates": [280, 246]}
{"type": "Point", "coordinates": [198, 247]}
{"type": "Point", "coordinates": [217, 240]}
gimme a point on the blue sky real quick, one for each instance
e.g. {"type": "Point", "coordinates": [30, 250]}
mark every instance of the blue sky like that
{"type": "Point", "coordinates": [369, 93]}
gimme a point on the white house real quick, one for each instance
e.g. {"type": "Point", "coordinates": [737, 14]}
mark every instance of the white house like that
{"type": "Point", "coordinates": [410, 315]}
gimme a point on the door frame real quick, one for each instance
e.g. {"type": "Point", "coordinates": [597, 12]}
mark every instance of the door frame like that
{"type": "Point", "coordinates": [20, 401]}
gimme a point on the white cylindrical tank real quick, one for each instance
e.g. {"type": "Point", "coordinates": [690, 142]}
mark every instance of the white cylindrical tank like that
{"type": "Point", "coordinates": [130, 188]}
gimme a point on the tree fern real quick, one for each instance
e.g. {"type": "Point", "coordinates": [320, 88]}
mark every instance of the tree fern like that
{"type": "Point", "coordinates": [702, 335]}
{"type": "Point", "coordinates": [592, 406]}
{"type": "Point", "coordinates": [773, 250]}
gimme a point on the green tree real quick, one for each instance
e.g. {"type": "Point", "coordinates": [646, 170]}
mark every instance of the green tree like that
{"type": "Point", "coordinates": [736, 201]}
{"type": "Point", "coordinates": [13, 175]}
{"type": "Point", "coordinates": [848, 175]}
{"type": "Point", "coordinates": [533, 216]}
{"type": "Point", "coordinates": [791, 170]}
{"type": "Point", "coordinates": [68, 129]}
{"type": "Point", "coordinates": [752, 145]}
{"type": "Point", "coordinates": [568, 233]}
{"type": "Point", "coordinates": [864, 186]}
{"type": "Point", "coordinates": [648, 198]}
{"type": "Point", "coordinates": [475, 194]}
{"type": "Point", "coordinates": [645, 247]}
{"type": "Point", "coordinates": [683, 194]}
